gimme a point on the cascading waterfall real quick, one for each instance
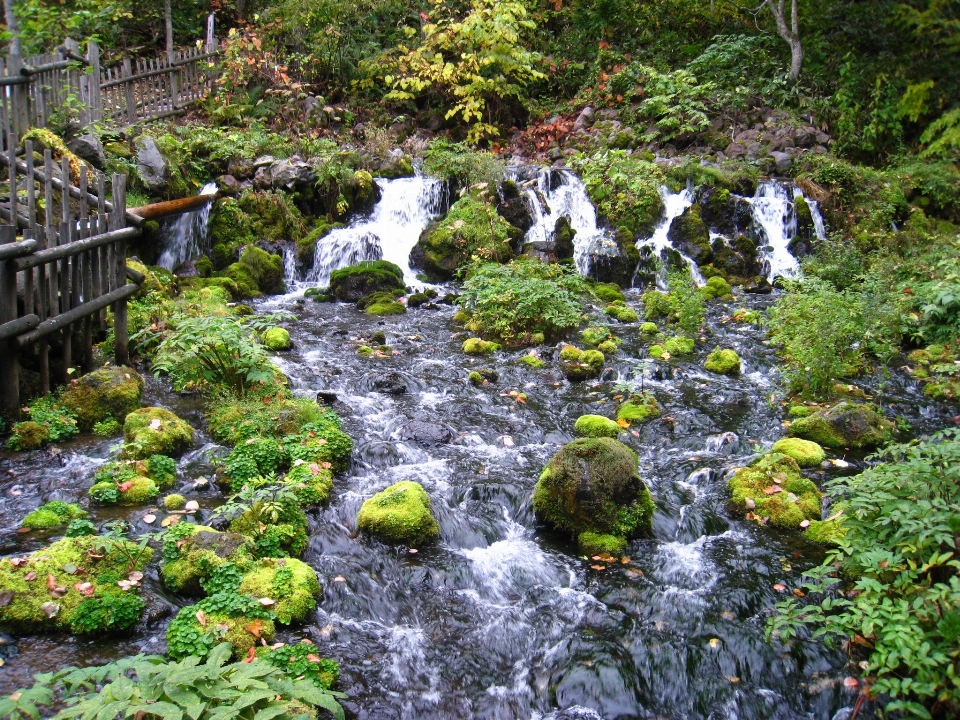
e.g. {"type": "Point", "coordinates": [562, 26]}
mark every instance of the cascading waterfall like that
{"type": "Point", "coordinates": [186, 237]}
{"type": "Point", "coordinates": [389, 233]}
{"type": "Point", "coordinates": [674, 205]}
{"type": "Point", "coordinates": [774, 212]}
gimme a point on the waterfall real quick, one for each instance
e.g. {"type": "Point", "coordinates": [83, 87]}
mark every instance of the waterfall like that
{"type": "Point", "coordinates": [290, 273]}
{"type": "Point", "coordinates": [185, 237]}
{"type": "Point", "coordinates": [774, 212]}
{"type": "Point", "coordinates": [405, 209]}
{"type": "Point", "coordinates": [674, 205]}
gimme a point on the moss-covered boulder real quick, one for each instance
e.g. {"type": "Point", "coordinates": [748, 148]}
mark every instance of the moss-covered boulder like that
{"type": "Point", "coordinates": [844, 425]}
{"type": "Point", "coordinates": [773, 490]}
{"type": "Point", "coordinates": [724, 362]}
{"type": "Point", "coordinates": [193, 552]}
{"type": "Point", "coordinates": [678, 345]}
{"type": "Point", "coordinates": [28, 435]}
{"type": "Point", "coordinates": [648, 328]}
{"type": "Point", "coordinates": [352, 283]}
{"type": "Point", "coordinates": [689, 234]}
{"type": "Point", "coordinates": [277, 338]}
{"type": "Point", "coordinates": [826, 532]}
{"type": "Point", "coordinates": [596, 336]}
{"type": "Point", "coordinates": [110, 392]}
{"type": "Point", "coordinates": [275, 531]}
{"type": "Point", "coordinates": [53, 515]}
{"type": "Point", "coordinates": [75, 584]}
{"type": "Point", "coordinates": [226, 617]}
{"type": "Point", "coordinates": [581, 364]}
{"type": "Point", "coordinates": [592, 485]}
{"type": "Point", "coordinates": [290, 583]}
{"type": "Point", "coordinates": [716, 287]}
{"type": "Point", "coordinates": [174, 501]}
{"type": "Point", "coordinates": [532, 361]}
{"type": "Point", "coordinates": [311, 482]}
{"type": "Point", "coordinates": [806, 452]}
{"type": "Point", "coordinates": [622, 313]}
{"type": "Point", "coordinates": [609, 292]}
{"type": "Point", "coordinates": [257, 272]}
{"type": "Point", "coordinates": [155, 431]}
{"type": "Point", "coordinates": [476, 346]}
{"type": "Point", "coordinates": [591, 543]}
{"type": "Point", "coordinates": [638, 407]}
{"type": "Point", "coordinates": [399, 514]}
{"type": "Point", "coordinates": [596, 426]}
{"type": "Point", "coordinates": [472, 228]}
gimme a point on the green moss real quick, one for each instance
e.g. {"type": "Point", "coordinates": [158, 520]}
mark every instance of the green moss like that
{"type": "Point", "coordinates": [826, 532]}
{"type": "Point", "coordinates": [844, 425]}
{"type": "Point", "coordinates": [725, 362]}
{"type": "Point", "coordinates": [155, 431]}
{"type": "Point", "coordinates": [276, 338]}
{"type": "Point", "coordinates": [28, 435]}
{"type": "Point", "coordinates": [638, 408]}
{"type": "Point", "coordinates": [274, 535]}
{"type": "Point", "coordinates": [53, 514]}
{"type": "Point", "coordinates": [107, 428]}
{"type": "Point", "coordinates": [399, 514]}
{"type": "Point", "coordinates": [799, 411]}
{"type": "Point", "coordinates": [192, 552]}
{"type": "Point", "coordinates": [532, 362]}
{"type": "Point", "coordinates": [105, 493]}
{"type": "Point", "coordinates": [648, 328]}
{"type": "Point", "coordinates": [678, 345]}
{"type": "Point", "coordinates": [354, 282]}
{"type": "Point", "coordinates": [596, 426]}
{"type": "Point", "coordinates": [174, 502]}
{"type": "Point", "coordinates": [609, 292]}
{"type": "Point", "coordinates": [773, 489]}
{"type": "Point", "coordinates": [391, 307]}
{"type": "Point", "coordinates": [656, 351]}
{"type": "Point", "coordinates": [292, 584]}
{"type": "Point", "coordinates": [805, 452]}
{"type": "Point", "coordinates": [69, 562]}
{"type": "Point", "coordinates": [139, 490]}
{"type": "Point", "coordinates": [591, 485]}
{"type": "Point", "coordinates": [598, 544]}
{"type": "Point", "coordinates": [594, 336]}
{"type": "Point", "coordinates": [311, 482]}
{"type": "Point", "coordinates": [418, 299]}
{"type": "Point", "coordinates": [608, 347]}
{"type": "Point", "coordinates": [622, 313]}
{"type": "Point", "coordinates": [656, 304]}
{"type": "Point", "coordinates": [476, 346]}
{"type": "Point", "coordinates": [265, 269]}
{"type": "Point", "coordinates": [716, 287]}
{"type": "Point", "coordinates": [581, 364]}
{"type": "Point", "coordinates": [365, 351]}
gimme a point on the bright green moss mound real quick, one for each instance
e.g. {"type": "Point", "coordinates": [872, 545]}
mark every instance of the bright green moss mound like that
{"type": "Point", "coordinates": [622, 313]}
{"type": "Point", "coordinates": [844, 425]}
{"type": "Point", "coordinates": [716, 287]}
{"type": "Point", "coordinates": [648, 328]}
{"type": "Point", "coordinates": [66, 564]}
{"type": "Point", "coordinates": [28, 435]}
{"type": "Point", "coordinates": [656, 304]}
{"type": "Point", "coordinates": [367, 277]}
{"type": "Point", "coordinates": [532, 362]}
{"type": "Point", "coordinates": [595, 426]}
{"type": "Point", "coordinates": [292, 584]}
{"type": "Point", "coordinates": [597, 544]}
{"type": "Point", "coordinates": [399, 514]}
{"type": "Point", "coordinates": [277, 338]}
{"type": "Point", "coordinates": [826, 532]}
{"type": "Point", "coordinates": [476, 346]}
{"type": "Point", "coordinates": [806, 452]}
{"type": "Point", "coordinates": [174, 502]}
{"type": "Point", "coordinates": [389, 307]}
{"type": "Point", "coordinates": [773, 489]}
{"type": "Point", "coordinates": [257, 272]}
{"type": "Point", "coordinates": [311, 482]}
{"type": "Point", "coordinates": [638, 408]}
{"type": "Point", "coordinates": [110, 392]}
{"type": "Point", "coordinates": [52, 515]}
{"type": "Point", "coordinates": [155, 431]}
{"type": "Point", "coordinates": [594, 336]}
{"type": "Point", "coordinates": [592, 485]}
{"type": "Point", "coordinates": [581, 364]}
{"type": "Point", "coordinates": [724, 362]}
{"type": "Point", "coordinates": [678, 346]}
{"type": "Point", "coordinates": [192, 552]}
{"type": "Point", "coordinates": [609, 292]}
{"type": "Point", "coordinates": [277, 530]}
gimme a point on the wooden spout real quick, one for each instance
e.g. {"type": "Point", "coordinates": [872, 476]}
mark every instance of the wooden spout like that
{"type": "Point", "coordinates": [155, 211]}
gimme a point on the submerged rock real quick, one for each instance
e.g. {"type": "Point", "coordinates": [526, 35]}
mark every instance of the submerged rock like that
{"type": "Point", "coordinates": [426, 433]}
{"type": "Point", "coordinates": [399, 514]}
{"type": "Point", "coordinates": [844, 425]}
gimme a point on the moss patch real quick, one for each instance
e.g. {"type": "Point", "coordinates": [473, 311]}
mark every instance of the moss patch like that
{"type": "Point", "coordinates": [352, 283]}
{"type": "Point", "coordinates": [844, 425]}
{"type": "Point", "coordinates": [155, 431]}
{"type": "Point", "coordinates": [724, 362]}
{"type": "Point", "coordinates": [476, 346]}
{"type": "Point", "coordinates": [110, 392]}
{"type": "Point", "coordinates": [399, 514]}
{"type": "Point", "coordinates": [581, 364]}
{"type": "Point", "coordinates": [277, 338]}
{"type": "Point", "coordinates": [53, 515]}
{"type": "Point", "coordinates": [597, 544]}
{"type": "Point", "coordinates": [773, 490]}
{"type": "Point", "coordinates": [596, 426]}
{"type": "Point", "coordinates": [292, 584]}
{"type": "Point", "coordinates": [806, 452]}
{"type": "Point", "coordinates": [638, 408]}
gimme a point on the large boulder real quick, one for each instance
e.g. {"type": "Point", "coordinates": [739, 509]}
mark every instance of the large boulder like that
{"type": "Point", "coordinates": [689, 234]}
{"type": "Point", "coordinates": [155, 431]}
{"type": "Point", "coordinates": [592, 485]}
{"type": "Point", "coordinates": [257, 272]}
{"type": "Point", "coordinates": [152, 169]}
{"type": "Point", "coordinates": [399, 514]}
{"type": "Point", "coordinates": [772, 489]}
{"type": "Point", "coordinates": [512, 206]}
{"type": "Point", "coordinates": [367, 277]}
{"type": "Point", "coordinates": [88, 147]}
{"type": "Point", "coordinates": [844, 425]}
{"type": "Point", "coordinates": [110, 392]}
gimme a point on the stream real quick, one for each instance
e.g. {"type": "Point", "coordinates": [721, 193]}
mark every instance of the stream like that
{"type": "Point", "coordinates": [501, 619]}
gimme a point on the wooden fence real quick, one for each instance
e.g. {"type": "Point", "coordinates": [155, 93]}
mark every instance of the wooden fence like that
{"type": "Point", "coordinates": [62, 264]}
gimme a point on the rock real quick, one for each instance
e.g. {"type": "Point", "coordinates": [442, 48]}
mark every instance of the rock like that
{"type": "Point", "coordinates": [110, 392]}
{"type": "Point", "coordinates": [773, 489]}
{"type": "Point", "coordinates": [299, 598]}
{"type": "Point", "coordinates": [783, 161]}
{"type": "Point", "coordinates": [228, 185]}
{"type": "Point", "coordinates": [291, 173]}
{"type": "Point", "coordinates": [735, 150]}
{"type": "Point", "coordinates": [805, 452]}
{"type": "Point", "coordinates": [512, 207]}
{"type": "Point", "coordinates": [257, 272]}
{"type": "Point", "coordinates": [391, 383]}
{"type": "Point", "coordinates": [592, 485]}
{"type": "Point", "coordinates": [350, 284]}
{"type": "Point", "coordinates": [844, 425]}
{"type": "Point", "coordinates": [277, 338]}
{"type": "Point", "coordinates": [89, 148]}
{"type": "Point", "coordinates": [563, 236]}
{"type": "Point", "coordinates": [399, 514]}
{"type": "Point", "coordinates": [724, 362]}
{"type": "Point", "coordinates": [689, 234]}
{"type": "Point", "coordinates": [638, 408]}
{"type": "Point", "coordinates": [186, 269]}
{"type": "Point", "coordinates": [596, 426]}
{"type": "Point", "coordinates": [152, 169]}
{"type": "Point", "coordinates": [240, 168]}
{"type": "Point", "coordinates": [581, 364]}
{"type": "Point", "coordinates": [155, 431]}
{"type": "Point", "coordinates": [426, 433]}
{"type": "Point", "coordinates": [326, 396]}
{"type": "Point", "coordinates": [201, 552]}
{"type": "Point", "coordinates": [584, 120]}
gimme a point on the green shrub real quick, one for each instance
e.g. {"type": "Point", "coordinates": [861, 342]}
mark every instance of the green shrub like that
{"type": "Point", "coordinates": [294, 662]}
{"type": "Point", "coordinates": [625, 189]}
{"type": "Point", "coordinates": [108, 427]}
{"type": "Point", "coordinates": [109, 613]}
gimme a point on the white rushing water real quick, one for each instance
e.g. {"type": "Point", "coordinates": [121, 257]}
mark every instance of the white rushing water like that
{"type": "Point", "coordinates": [405, 209]}
{"type": "Point", "coordinates": [185, 237]}
{"type": "Point", "coordinates": [774, 211]}
{"type": "Point", "coordinates": [674, 205]}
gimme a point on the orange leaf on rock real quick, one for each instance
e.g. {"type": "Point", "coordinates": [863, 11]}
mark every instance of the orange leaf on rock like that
{"type": "Point", "coordinates": [201, 618]}
{"type": "Point", "coordinates": [251, 654]}
{"type": "Point", "coordinates": [780, 587]}
{"type": "Point", "coordinates": [254, 628]}
{"type": "Point", "coordinates": [773, 489]}
{"type": "Point", "coordinates": [623, 423]}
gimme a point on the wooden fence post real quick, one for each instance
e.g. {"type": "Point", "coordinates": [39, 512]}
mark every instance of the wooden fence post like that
{"type": "Point", "coordinates": [127, 71]}
{"type": "Point", "coordinates": [95, 103]}
{"type": "Point", "coordinates": [9, 362]}
{"type": "Point", "coordinates": [121, 349]}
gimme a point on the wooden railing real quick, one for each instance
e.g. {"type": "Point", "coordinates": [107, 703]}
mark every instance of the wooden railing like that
{"type": "Point", "coordinates": [62, 264]}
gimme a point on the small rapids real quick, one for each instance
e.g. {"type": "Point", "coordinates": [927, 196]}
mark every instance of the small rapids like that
{"type": "Point", "coordinates": [185, 237]}
{"type": "Point", "coordinates": [500, 619]}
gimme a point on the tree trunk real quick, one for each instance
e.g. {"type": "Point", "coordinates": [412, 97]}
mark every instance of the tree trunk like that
{"type": "Point", "coordinates": [168, 17]}
{"type": "Point", "coordinates": [790, 33]}
{"type": "Point", "coordinates": [13, 27]}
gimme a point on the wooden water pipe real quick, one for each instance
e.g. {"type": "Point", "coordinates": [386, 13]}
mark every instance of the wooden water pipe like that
{"type": "Point", "coordinates": [155, 211]}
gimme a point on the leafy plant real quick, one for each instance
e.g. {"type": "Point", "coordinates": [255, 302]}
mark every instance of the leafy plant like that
{"type": "Point", "coordinates": [301, 661]}
{"type": "Point", "coordinates": [80, 527]}
{"type": "Point", "coordinates": [60, 421]}
{"type": "Point", "coordinates": [893, 585]}
{"type": "Point", "coordinates": [107, 428]}
{"type": "Point", "coordinates": [107, 613]}
{"type": "Point", "coordinates": [625, 189]}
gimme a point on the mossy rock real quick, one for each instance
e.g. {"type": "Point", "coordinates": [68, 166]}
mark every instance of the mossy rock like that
{"type": "Point", "coordinates": [724, 362]}
{"type": "Point", "coordinates": [174, 502]}
{"type": "Point", "coordinates": [581, 364]}
{"type": "Point", "coordinates": [151, 283]}
{"type": "Point", "coordinates": [595, 426]}
{"type": "Point", "coordinates": [290, 583]}
{"type": "Point", "coordinates": [622, 313]}
{"type": "Point", "coordinates": [594, 336]}
{"type": "Point", "coordinates": [138, 490]}
{"type": "Point", "coordinates": [799, 411]}
{"type": "Point", "coordinates": [28, 435]}
{"type": "Point", "coordinates": [311, 482]}
{"type": "Point", "coordinates": [826, 532]}
{"type": "Point", "coordinates": [110, 392]}
{"type": "Point", "coordinates": [257, 272]}
{"type": "Point", "coordinates": [806, 452]}
{"type": "Point", "coordinates": [532, 362]}
{"type": "Point", "coordinates": [476, 346]}
{"type": "Point", "coordinates": [648, 328]}
{"type": "Point", "coordinates": [591, 543]}
{"type": "Point", "coordinates": [773, 489]}
{"type": "Point", "coordinates": [32, 608]}
{"type": "Point", "coordinates": [483, 375]}
{"type": "Point", "coordinates": [285, 534]}
{"type": "Point", "coordinates": [592, 485]}
{"type": "Point", "coordinates": [53, 514]}
{"type": "Point", "coordinates": [844, 425]}
{"type": "Point", "coordinates": [387, 307]}
{"type": "Point", "coordinates": [197, 553]}
{"type": "Point", "coordinates": [656, 304]}
{"type": "Point", "coordinates": [678, 345]}
{"type": "Point", "coordinates": [234, 629]}
{"type": "Point", "coordinates": [690, 235]}
{"type": "Point", "coordinates": [276, 339]}
{"type": "Point", "coordinates": [352, 283]}
{"type": "Point", "coordinates": [608, 292]}
{"type": "Point", "coordinates": [155, 431]}
{"type": "Point", "coordinates": [418, 299]}
{"type": "Point", "coordinates": [399, 514]}
{"type": "Point", "coordinates": [716, 287]}
{"type": "Point", "coordinates": [639, 407]}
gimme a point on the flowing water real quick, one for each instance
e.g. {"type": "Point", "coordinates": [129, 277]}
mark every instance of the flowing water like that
{"type": "Point", "coordinates": [185, 236]}
{"type": "Point", "coordinates": [501, 619]}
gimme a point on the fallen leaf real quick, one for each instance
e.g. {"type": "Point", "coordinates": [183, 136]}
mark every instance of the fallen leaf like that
{"type": "Point", "coordinates": [251, 654]}
{"type": "Point", "coordinates": [17, 562]}
{"type": "Point", "coordinates": [799, 593]}
{"type": "Point", "coordinates": [624, 560]}
{"type": "Point", "coordinates": [50, 609]}
{"type": "Point", "coordinates": [326, 631]}
{"type": "Point", "coordinates": [850, 682]}
{"type": "Point", "coordinates": [23, 530]}
{"type": "Point", "coordinates": [507, 441]}
{"type": "Point", "coordinates": [254, 628]}
{"type": "Point", "coordinates": [773, 489]}
{"type": "Point", "coordinates": [779, 587]}
{"type": "Point", "coordinates": [6, 597]}
{"type": "Point", "coordinates": [201, 618]}
{"type": "Point", "coordinates": [156, 424]}
{"type": "Point", "coordinates": [733, 679]}
{"type": "Point", "coordinates": [750, 504]}
{"type": "Point", "coordinates": [714, 642]}
{"type": "Point", "coordinates": [598, 567]}
{"type": "Point", "coordinates": [30, 576]}
{"type": "Point", "coordinates": [135, 576]}
{"type": "Point", "coordinates": [124, 486]}
{"type": "Point", "coordinates": [51, 582]}
{"type": "Point", "coordinates": [635, 433]}
{"type": "Point", "coordinates": [277, 645]}
{"type": "Point", "coordinates": [169, 520]}
{"type": "Point", "coordinates": [313, 658]}
{"type": "Point", "coordinates": [84, 588]}
{"type": "Point", "coordinates": [267, 602]}
{"type": "Point", "coordinates": [125, 584]}
{"type": "Point", "coordinates": [339, 578]}
{"type": "Point", "coordinates": [149, 519]}
{"type": "Point", "coordinates": [634, 572]}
